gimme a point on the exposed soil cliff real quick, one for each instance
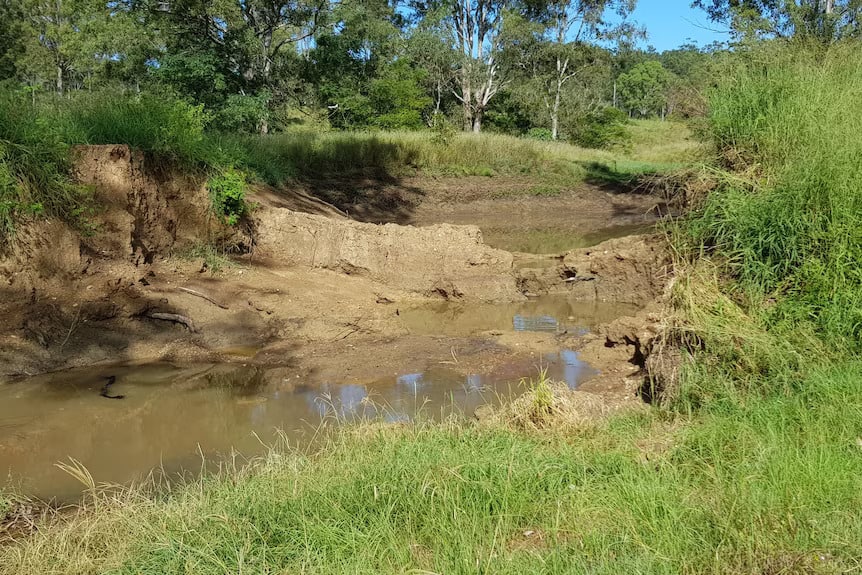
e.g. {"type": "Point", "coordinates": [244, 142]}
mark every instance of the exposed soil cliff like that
{"type": "Point", "coordinates": [306, 289]}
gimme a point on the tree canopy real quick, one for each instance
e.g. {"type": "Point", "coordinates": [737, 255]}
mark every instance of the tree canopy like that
{"type": "Point", "coordinates": [264, 65]}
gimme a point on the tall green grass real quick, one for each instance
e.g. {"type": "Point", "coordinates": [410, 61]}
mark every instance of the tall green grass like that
{"type": "Point", "coordinates": [34, 167]}
{"type": "Point", "coordinates": [163, 126]}
{"type": "Point", "coordinates": [35, 138]}
{"type": "Point", "coordinates": [770, 487]}
{"type": "Point", "coordinates": [788, 228]}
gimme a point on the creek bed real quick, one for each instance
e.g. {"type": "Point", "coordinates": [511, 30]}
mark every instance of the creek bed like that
{"type": "Point", "coordinates": [173, 416]}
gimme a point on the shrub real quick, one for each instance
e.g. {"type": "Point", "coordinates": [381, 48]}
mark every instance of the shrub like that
{"type": "Point", "coordinates": [443, 130]}
{"type": "Point", "coordinates": [600, 129]}
{"type": "Point", "coordinates": [542, 134]}
{"type": "Point", "coordinates": [227, 192]}
{"type": "Point", "coordinates": [34, 167]}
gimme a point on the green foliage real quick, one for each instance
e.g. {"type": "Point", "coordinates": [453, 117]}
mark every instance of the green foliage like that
{"type": "Point", "coordinates": [34, 168]}
{"type": "Point", "coordinates": [443, 130]}
{"type": "Point", "coordinates": [790, 232]}
{"type": "Point", "coordinates": [159, 124]}
{"type": "Point", "coordinates": [227, 192]}
{"type": "Point", "coordinates": [397, 98]}
{"type": "Point", "coordinates": [196, 73]}
{"type": "Point", "coordinates": [604, 128]}
{"type": "Point", "coordinates": [824, 22]}
{"type": "Point", "coordinates": [644, 88]}
{"type": "Point", "coordinates": [542, 134]}
{"type": "Point", "coordinates": [244, 114]}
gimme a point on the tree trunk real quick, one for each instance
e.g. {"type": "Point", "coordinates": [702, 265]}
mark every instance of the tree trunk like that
{"type": "Point", "coordinates": [555, 113]}
{"type": "Point", "coordinates": [466, 96]}
{"type": "Point", "coordinates": [60, 80]}
{"type": "Point", "coordinates": [477, 120]}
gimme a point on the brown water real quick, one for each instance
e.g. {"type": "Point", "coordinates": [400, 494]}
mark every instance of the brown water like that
{"type": "Point", "coordinates": [553, 314]}
{"type": "Point", "coordinates": [173, 416]}
{"type": "Point", "coordinates": [554, 240]}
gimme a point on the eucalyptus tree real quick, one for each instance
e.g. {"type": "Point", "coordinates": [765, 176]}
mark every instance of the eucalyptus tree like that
{"type": "Point", "coordinates": [825, 20]}
{"type": "Point", "coordinates": [474, 30]}
{"type": "Point", "coordinates": [555, 41]}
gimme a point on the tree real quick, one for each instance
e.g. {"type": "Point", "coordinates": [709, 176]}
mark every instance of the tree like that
{"type": "Point", "coordinates": [477, 25]}
{"type": "Point", "coordinates": [557, 47]}
{"type": "Point", "coordinates": [242, 41]}
{"type": "Point", "coordinates": [644, 88]}
{"type": "Point", "coordinates": [11, 38]}
{"type": "Point", "coordinates": [824, 20]}
{"type": "Point", "coordinates": [429, 49]}
{"type": "Point", "coordinates": [55, 36]}
{"type": "Point", "coordinates": [473, 28]}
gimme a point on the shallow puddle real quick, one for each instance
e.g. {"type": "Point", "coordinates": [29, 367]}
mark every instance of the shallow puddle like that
{"type": "Point", "coordinates": [552, 314]}
{"type": "Point", "coordinates": [173, 415]}
{"type": "Point", "coordinates": [553, 240]}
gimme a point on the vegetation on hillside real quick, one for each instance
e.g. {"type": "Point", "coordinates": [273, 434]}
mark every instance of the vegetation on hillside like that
{"type": "Point", "coordinates": [773, 282]}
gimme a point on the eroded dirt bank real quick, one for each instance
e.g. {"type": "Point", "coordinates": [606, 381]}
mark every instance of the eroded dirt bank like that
{"type": "Point", "coordinates": [318, 292]}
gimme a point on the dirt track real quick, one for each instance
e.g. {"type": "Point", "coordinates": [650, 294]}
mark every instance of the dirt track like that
{"type": "Point", "coordinates": [318, 291]}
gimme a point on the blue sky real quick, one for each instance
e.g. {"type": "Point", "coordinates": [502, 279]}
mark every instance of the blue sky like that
{"type": "Point", "coordinates": [671, 23]}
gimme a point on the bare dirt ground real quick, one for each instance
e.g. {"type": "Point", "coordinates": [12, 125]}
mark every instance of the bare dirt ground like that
{"type": "Point", "coordinates": [317, 284]}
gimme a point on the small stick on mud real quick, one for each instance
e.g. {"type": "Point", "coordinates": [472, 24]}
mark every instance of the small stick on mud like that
{"type": "Point", "coordinates": [174, 317]}
{"type": "Point", "coordinates": [104, 393]}
{"type": "Point", "coordinates": [201, 295]}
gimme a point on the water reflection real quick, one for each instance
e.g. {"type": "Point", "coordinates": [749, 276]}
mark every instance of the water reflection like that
{"type": "Point", "coordinates": [550, 313]}
{"type": "Point", "coordinates": [535, 323]}
{"type": "Point", "coordinates": [172, 413]}
{"type": "Point", "coordinates": [571, 369]}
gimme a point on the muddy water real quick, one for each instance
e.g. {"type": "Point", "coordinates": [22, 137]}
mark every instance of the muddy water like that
{"type": "Point", "coordinates": [553, 240]}
{"type": "Point", "coordinates": [554, 314]}
{"type": "Point", "coordinates": [172, 415]}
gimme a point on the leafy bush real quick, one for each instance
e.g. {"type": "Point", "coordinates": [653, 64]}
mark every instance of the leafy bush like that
{"type": "Point", "coordinates": [227, 192]}
{"type": "Point", "coordinates": [34, 167]}
{"type": "Point", "coordinates": [443, 130]}
{"type": "Point", "coordinates": [542, 134]}
{"type": "Point", "coordinates": [601, 129]}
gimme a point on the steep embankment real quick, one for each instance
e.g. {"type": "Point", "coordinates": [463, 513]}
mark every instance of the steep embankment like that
{"type": "Point", "coordinates": [300, 283]}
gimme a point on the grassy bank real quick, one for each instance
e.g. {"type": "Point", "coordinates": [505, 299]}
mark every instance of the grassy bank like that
{"type": "Point", "coordinates": [786, 227]}
{"type": "Point", "coordinates": [769, 487]}
{"type": "Point", "coordinates": [35, 140]}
